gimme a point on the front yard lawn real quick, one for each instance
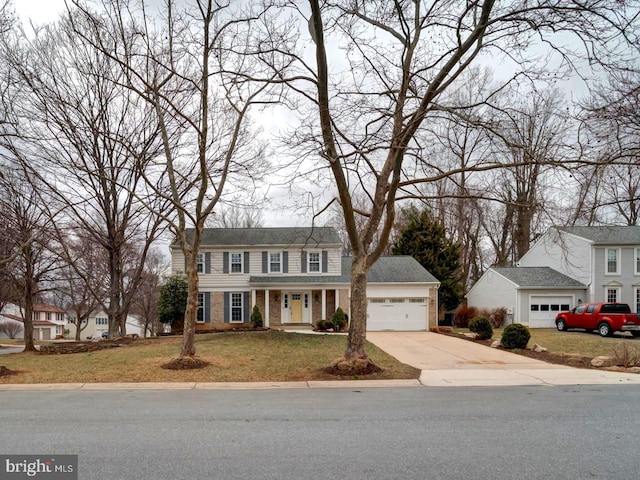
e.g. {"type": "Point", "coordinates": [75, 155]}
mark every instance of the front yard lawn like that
{"type": "Point", "coordinates": [234, 357]}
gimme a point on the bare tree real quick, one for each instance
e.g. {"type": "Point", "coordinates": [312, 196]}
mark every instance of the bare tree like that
{"type": "Point", "coordinates": [145, 304]}
{"type": "Point", "coordinates": [30, 225]}
{"type": "Point", "coordinates": [87, 140]}
{"type": "Point", "coordinates": [10, 328]}
{"type": "Point", "coordinates": [610, 193]}
{"type": "Point", "coordinates": [184, 64]}
{"type": "Point", "coordinates": [399, 59]}
{"type": "Point", "coordinates": [235, 216]}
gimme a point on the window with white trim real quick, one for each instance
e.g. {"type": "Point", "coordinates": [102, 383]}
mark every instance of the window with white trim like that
{"type": "Point", "coordinates": [275, 262]}
{"type": "Point", "coordinates": [638, 300]}
{"type": "Point", "coordinates": [200, 312]}
{"type": "Point", "coordinates": [236, 263]}
{"type": "Point", "coordinates": [200, 263]}
{"type": "Point", "coordinates": [102, 321]}
{"type": "Point", "coordinates": [236, 307]}
{"type": "Point", "coordinates": [612, 266]}
{"type": "Point", "coordinates": [637, 261]}
{"type": "Point", "coordinates": [612, 294]}
{"type": "Point", "coordinates": [58, 329]}
{"type": "Point", "coordinates": [314, 262]}
{"type": "Point", "coordinates": [48, 316]}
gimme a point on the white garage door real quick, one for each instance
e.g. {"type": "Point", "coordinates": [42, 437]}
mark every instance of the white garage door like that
{"type": "Point", "coordinates": [544, 308]}
{"type": "Point", "coordinates": [397, 314]}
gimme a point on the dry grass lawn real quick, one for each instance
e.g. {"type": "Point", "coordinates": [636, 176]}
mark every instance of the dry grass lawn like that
{"type": "Point", "coordinates": [234, 357]}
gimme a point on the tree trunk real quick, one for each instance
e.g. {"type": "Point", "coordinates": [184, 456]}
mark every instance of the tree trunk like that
{"type": "Point", "coordinates": [189, 332]}
{"type": "Point", "coordinates": [358, 322]}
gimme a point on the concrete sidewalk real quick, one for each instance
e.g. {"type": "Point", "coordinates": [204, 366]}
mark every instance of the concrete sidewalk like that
{"type": "Point", "coordinates": [448, 361]}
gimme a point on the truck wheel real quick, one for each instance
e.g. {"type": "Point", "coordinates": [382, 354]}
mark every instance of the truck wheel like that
{"type": "Point", "coordinates": [561, 326]}
{"type": "Point", "coordinates": [605, 330]}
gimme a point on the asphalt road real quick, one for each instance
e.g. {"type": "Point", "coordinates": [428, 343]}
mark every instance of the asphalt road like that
{"type": "Point", "coordinates": [380, 433]}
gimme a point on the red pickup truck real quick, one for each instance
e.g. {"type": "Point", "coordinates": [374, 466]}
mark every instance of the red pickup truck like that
{"type": "Point", "coordinates": [604, 317]}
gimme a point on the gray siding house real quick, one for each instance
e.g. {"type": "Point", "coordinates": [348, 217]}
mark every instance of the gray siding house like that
{"type": "Point", "coordinates": [566, 265]}
{"type": "Point", "coordinates": [297, 276]}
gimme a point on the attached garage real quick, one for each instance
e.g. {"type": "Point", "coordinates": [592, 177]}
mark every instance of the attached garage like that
{"type": "Point", "coordinates": [543, 309]}
{"type": "Point", "coordinates": [398, 313]}
{"type": "Point", "coordinates": [532, 295]}
{"type": "Point", "coordinates": [401, 295]}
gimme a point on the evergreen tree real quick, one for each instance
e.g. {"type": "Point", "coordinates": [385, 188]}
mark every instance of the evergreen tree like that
{"type": "Point", "coordinates": [425, 239]}
{"type": "Point", "coordinates": [172, 301]}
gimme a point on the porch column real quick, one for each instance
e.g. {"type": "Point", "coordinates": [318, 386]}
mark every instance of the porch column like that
{"type": "Point", "coordinates": [253, 298]}
{"type": "Point", "coordinates": [324, 304]}
{"type": "Point", "coordinates": [266, 308]}
{"type": "Point", "coordinates": [337, 298]}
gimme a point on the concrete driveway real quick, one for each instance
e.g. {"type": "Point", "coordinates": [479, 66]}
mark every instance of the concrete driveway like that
{"type": "Point", "coordinates": [449, 361]}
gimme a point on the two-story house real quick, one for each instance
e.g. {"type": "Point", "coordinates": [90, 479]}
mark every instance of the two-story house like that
{"type": "Point", "coordinates": [97, 324]}
{"type": "Point", "coordinates": [297, 276]}
{"type": "Point", "coordinates": [565, 267]}
{"type": "Point", "coordinates": [48, 320]}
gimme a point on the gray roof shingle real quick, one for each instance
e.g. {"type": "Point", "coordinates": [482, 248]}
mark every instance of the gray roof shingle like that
{"type": "Point", "coordinates": [389, 269]}
{"type": "Point", "coordinates": [287, 236]}
{"type": "Point", "coordinates": [608, 235]}
{"type": "Point", "coordinates": [537, 277]}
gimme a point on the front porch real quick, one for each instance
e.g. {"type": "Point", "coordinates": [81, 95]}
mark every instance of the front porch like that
{"type": "Point", "coordinates": [297, 307]}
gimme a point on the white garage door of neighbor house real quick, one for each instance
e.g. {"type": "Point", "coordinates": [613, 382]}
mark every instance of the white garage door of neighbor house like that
{"type": "Point", "coordinates": [397, 314]}
{"type": "Point", "coordinates": [543, 310]}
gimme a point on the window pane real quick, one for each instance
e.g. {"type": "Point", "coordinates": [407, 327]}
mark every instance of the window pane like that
{"type": "Point", "coordinates": [535, 308]}
{"type": "Point", "coordinates": [314, 261]}
{"type": "Point", "coordinates": [555, 308]}
{"type": "Point", "coordinates": [236, 262]}
{"type": "Point", "coordinates": [612, 261]}
{"type": "Point", "coordinates": [274, 262]}
{"type": "Point", "coordinates": [200, 314]}
{"type": "Point", "coordinates": [200, 263]}
{"type": "Point", "coordinates": [544, 308]}
{"type": "Point", "coordinates": [236, 307]}
{"type": "Point", "coordinates": [564, 307]}
{"type": "Point", "coordinates": [612, 295]}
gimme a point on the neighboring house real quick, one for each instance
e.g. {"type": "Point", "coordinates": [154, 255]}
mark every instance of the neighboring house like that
{"type": "Point", "coordinates": [532, 296]}
{"type": "Point", "coordinates": [97, 323]}
{"type": "Point", "coordinates": [48, 321]}
{"type": "Point", "coordinates": [604, 263]}
{"type": "Point", "coordinates": [297, 276]}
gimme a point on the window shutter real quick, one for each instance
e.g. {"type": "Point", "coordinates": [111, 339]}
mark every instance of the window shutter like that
{"type": "Point", "coordinates": [245, 307]}
{"type": "Point", "coordinates": [265, 260]}
{"type": "Point", "coordinates": [303, 261]}
{"type": "Point", "coordinates": [285, 262]}
{"type": "Point", "coordinates": [227, 302]}
{"type": "Point", "coordinates": [225, 262]}
{"type": "Point", "coordinates": [207, 307]}
{"type": "Point", "coordinates": [247, 262]}
{"type": "Point", "coordinates": [325, 261]}
{"type": "Point", "coordinates": [207, 262]}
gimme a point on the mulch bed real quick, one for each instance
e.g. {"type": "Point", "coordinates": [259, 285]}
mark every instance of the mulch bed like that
{"type": "Point", "coordinates": [185, 363]}
{"type": "Point", "coordinates": [5, 372]}
{"type": "Point", "coordinates": [342, 368]}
